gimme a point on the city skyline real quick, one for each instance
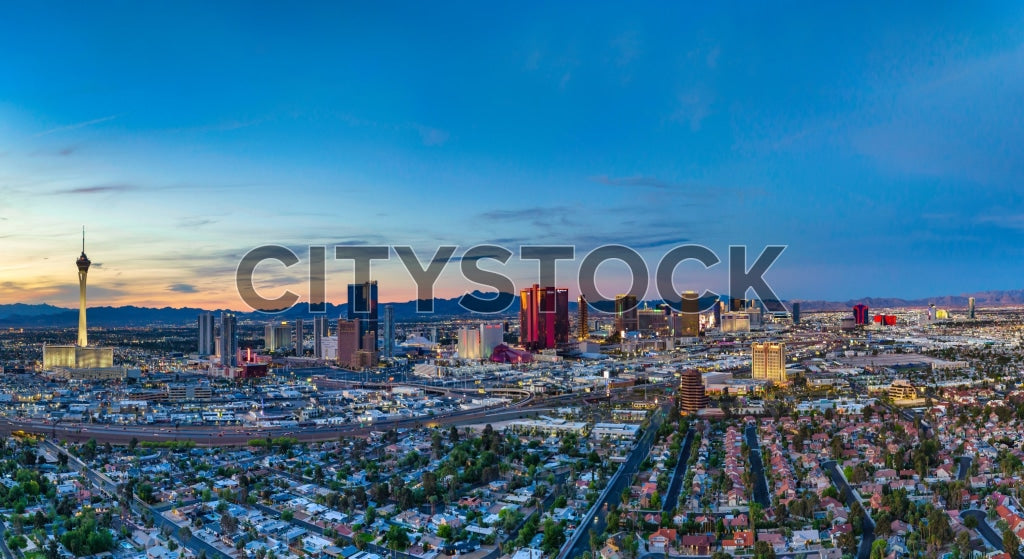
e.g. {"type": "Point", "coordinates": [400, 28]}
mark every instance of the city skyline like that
{"type": "Point", "coordinates": [881, 151]}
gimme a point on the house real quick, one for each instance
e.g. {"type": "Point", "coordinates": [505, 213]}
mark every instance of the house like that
{"type": "Point", "coordinates": [696, 544]}
{"type": "Point", "coordinates": [661, 540]}
{"type": "Point", "coordinates": [740, 540]}
{"type": "Point", "coordinates": [803, 538]}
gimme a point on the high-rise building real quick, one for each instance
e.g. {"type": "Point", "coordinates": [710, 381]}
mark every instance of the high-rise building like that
{"type": "Point", "coordinates": [362, 305]}
{"type": "Point", "coordinates": [626, 314]}
{"type": "Point", "coordinates": [297, 337]}
{"type": "Point", "coordinates": [478, 342]}
{"type": "Point", "coordinates": [83, 263]}
{"type": "Point", "coordinates": [796, 313]}
{"type": "Point", "coordinates": [389, 331]}
{"type": "Point", "coordinates": [348, 342]}
{"type": "Point", "coordinates": [692, 395]}
{"type": "Point", "coordinates": [277, 335]}
{"type": "Point", "coordinates": [970, 308]}
{"type": "Point", "coordinates": [228, 340]}
{"type": "Point", "coordinates": [582, 316]}
{"type": "Point", "coordinates": [860, 314]}
{"type": "Point", "coordinates": [319, 333]}
{"type": "Point", "coordinates": [543, 317]}
{"type": "Point", "coordinates": [207, 334]}
{"type": "Point", "coordinates": [737, 305]}
{"type": "Point", "coordinates": [768, 361]}
{"type": "Point", "coordinates": [690, 315]}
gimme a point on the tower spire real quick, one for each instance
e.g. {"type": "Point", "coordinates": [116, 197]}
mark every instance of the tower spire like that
{"type": "Point", "coordinates": [83, 239]}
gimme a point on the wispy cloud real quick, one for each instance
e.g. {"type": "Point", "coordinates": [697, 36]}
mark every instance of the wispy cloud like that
{"type": "Point", "coordinates": [524, 213]}
{"type": "Point", "coordinates": [638, 181]}
{"type": "Point", "coordinates": [76, 125]}
{"type": "Point", "coordinates": [182, 288]}
{"type": "Point", "coordinates": [97, 189]}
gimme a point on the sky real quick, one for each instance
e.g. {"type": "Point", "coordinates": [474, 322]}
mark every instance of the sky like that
{"type": "Point", "coordinates": [880, 143]}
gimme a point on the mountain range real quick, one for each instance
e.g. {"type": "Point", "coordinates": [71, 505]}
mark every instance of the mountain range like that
{"type": "Point", "coordinates": [20, 315]}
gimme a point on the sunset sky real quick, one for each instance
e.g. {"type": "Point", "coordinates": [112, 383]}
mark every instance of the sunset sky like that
{"type": "Point", "coordinates": [881, 143]}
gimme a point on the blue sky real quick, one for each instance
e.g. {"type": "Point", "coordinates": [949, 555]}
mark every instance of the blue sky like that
{"type": "Point", "coordinates": [882, 144]}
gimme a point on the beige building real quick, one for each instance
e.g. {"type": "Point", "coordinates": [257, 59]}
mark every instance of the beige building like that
{"type": "Point", "coordinates": [902, 390]}
{"type": "Point", "coordinates": [768, 361]}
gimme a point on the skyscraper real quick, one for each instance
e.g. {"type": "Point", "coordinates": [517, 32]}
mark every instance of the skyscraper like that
{"type": "Point", "coordinates": [796, 313]}
{"type": "Point", "coordinates": [626, 315]}
{"type": "Point", "coordinates": [348, 342]}
{"type": "Point", "coordinates": [736, 305]}
{"type": "Point", "coordinates": [297, 337]}
{"type": "Point", "coordinates": [970, 308]}
{"type": "Point", "coordinates": [692, 396]}
{"type": "Point", "coordinates": [207, 334]}
{"type": "Point", "coordinates": [860, 314]}
{"type": "Point", "coordinates": [582, 318]}
{"type": "Point", "coordinates": [228, 340]}
{"type": "Point", "coordinates": [543, 317]}
{"type": "Point", "coordinates": [768, 361]}
{"type": "Point", "coordinates": [362, 305]}
{"type": "Point", "coordinates": [319, 333]}
{"type": "Point", "coordinates": [83, 263]}
{"type": "Point", "coordinates": [277, 335]}
{"type": "Point", "coordinates": [690, 316]}
{"type": "Point", "coordinates": [389, 331]}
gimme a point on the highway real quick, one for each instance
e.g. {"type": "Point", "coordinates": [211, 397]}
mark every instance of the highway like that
{"type": "Point", "coordinates": [210, 435]}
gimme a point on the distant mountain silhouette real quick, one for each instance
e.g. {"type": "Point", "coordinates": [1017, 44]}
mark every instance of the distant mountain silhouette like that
{"type": "Point", "coordinates": [43, 315]}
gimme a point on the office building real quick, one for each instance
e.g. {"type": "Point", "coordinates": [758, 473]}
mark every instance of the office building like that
{"type": "Point", "coordinates": [228, 340]}
{"type": "Point", "coordinates": [768, 361]}
{"type": "Point", "coordinates": [389, 331]}
{"type": "Point", "coordinates": [362, 305]}
{"type": "Point", "coordinates": [582, 316]}
{"type": "Point", "coordinates": [796, 313]}
{"type": "Point", "coordinates": [320, 332]}
{"type": "Point", "coordinates": [298, 332]}
{"type": "Point", "coordinates": [207, 334]}
{"type": "Point", "coordinates": [690, 315]}
{"type": "Point", "coordinates": [692, 396]}
{"type": "Point", "coordinates": [970, 308]}
{"type": "Point", "coordinates": [902, 390]}
{"type": "Point", "coordinates": [543, 317]}
{"type": "Point", "coordinates": [348, 342]}
{"type": "Point", "coordinates": [626, 314]}
{"type": "Point", "coordinates": [860, 314]}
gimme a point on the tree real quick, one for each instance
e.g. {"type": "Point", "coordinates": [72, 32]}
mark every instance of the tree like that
{"type": "Point", "coordinates": [847, 542]}
{"type": "Point", "coordinates": [878, 549]}
{"type": "Point", "coordinates": [1011, 544]}
{"type": "Point", "coordinates": [397, 538]}
{"type": "Point", "coordinates": [763, 550]}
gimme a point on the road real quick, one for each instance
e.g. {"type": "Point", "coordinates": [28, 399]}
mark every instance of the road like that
{"type": "Point", "coordinates": [676, 485]}
{"type": "Point", "coordinates": [110, 489]}
{"type": "Point", "coordinates": [761, 496]}
{"type": "Point", "coordinates": [579, 542]}
{"type": "Point", "coordinates": [852, 498]}
{"type": "Point", "coordinates": [984, 528]}
{"type": "Point", "coordinates": [965, 467]}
